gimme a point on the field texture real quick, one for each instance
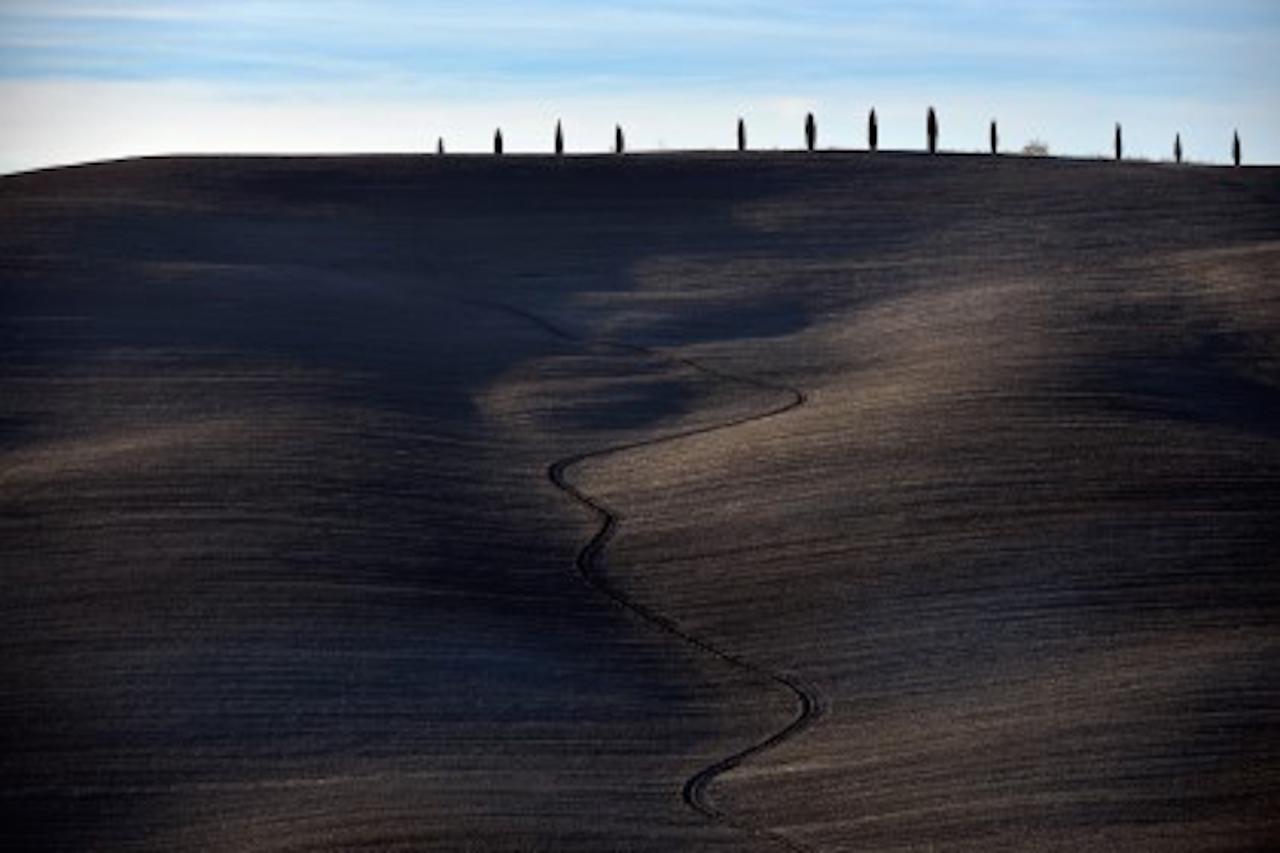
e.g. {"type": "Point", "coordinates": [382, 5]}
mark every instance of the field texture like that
{"type": "Point", "coordinates": [666, 502]}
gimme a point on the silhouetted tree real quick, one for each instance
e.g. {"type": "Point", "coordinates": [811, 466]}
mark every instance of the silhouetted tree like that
{"type": "Point", "coordinates": [995, 138]}
{"type": "Point", "coordinates": [619, 144]}
{"type": "Point", "coordinates": [931, 127]}
{"type": "Point", "coordinates": [810, 132]}
{"type": "Point", "coordinates": [440, 145]}
{"type": "Point", "coordinates": [742, 135]}
{"type": "Point", "coordinates": [497, 141]}
{"type": "Point", "coordinates": [1177, 148]}
{"type": "Point", "coordinates": [873, 131]}
{"type": "Point", "coordinates": [559, 139]}
{"type": "Point", "coordinates": [1235, 148]}
{"type": "Point", "coordinates": [1119, 142]}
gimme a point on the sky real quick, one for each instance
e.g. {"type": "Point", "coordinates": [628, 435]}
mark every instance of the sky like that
{"type": "Point", "coordinates": [96, 79]}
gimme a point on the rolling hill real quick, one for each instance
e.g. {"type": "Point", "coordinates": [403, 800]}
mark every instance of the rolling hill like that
{"type": "Point", "coordinates": [662, 502]}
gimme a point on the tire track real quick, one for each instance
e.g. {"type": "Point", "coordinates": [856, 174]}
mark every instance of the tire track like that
{"type": "Point", "coordinates": [809, 703]}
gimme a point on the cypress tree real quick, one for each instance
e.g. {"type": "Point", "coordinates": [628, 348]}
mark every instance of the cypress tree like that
{"type": "Point", "coordinates": [1235, 148]}
{"type": "Point", "coordinates": [742, 135]}
{"type": "Point", "coordinates": [931, 128]}
{"type": "Point", "coordinates": [1119, 142]}
{"type": "Point", "coordinates": [619, 144]}
{"type": "Point", "coordinates": [995, 138]}
{"type": "Point", "coordinates": [559, 139]}
{"type": "Point", "coordinates": [497, 141]}
{"type": "Point", "coordinates": [440, 145]}
{"type": "Point", "coordinates": [1177, 148]}
{"type": "Point", "coordinates": [873, 131]}
{"type": "Point", "coordinates": [810, 132]}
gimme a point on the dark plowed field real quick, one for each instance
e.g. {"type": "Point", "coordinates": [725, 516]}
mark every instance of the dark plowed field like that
{"type": "Point", "coordinates": [663, 502]}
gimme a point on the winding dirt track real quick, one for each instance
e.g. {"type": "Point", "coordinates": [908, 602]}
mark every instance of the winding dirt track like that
{"type": "Point", "coordinates": [809, 704]}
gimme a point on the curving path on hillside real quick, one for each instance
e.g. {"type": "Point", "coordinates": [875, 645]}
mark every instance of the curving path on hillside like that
{"type": "Point", "coordinates": [809, 703]}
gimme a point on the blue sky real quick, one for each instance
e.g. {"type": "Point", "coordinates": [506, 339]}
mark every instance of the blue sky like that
{"type": "Point", "coordinates": [89, 79]}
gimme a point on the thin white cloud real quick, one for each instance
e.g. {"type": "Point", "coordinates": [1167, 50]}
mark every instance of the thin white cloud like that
{"type": "Point", "coordinates": [913, 31]}
{"type": "Point", "coordinates": [153, 12]}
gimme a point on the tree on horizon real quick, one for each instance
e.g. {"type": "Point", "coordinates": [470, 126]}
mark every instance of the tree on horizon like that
{"type": "Point", "coordinates": [931, 128]}
{"type": "Point", "coordinates": [810, 132]}
{"type": "Point", "coordinates": [1119, 142]}
{"type": "Point", "coordinates": [873, 131]}
{"type": "Point", "coordinates": [619, 143]}
{"type": "Point", "coordinates": [1177, 148]}
{"type": "Point", "coordinates": [559, 139]}
{"type": "Point", "coordinates": [742, 135]}
{"type": "Point", "coordinates": [497, 141]}
{"type": "Point", "coordinates": [1235, 148]}
{"type": "Point", "coordinates": [995, 138]}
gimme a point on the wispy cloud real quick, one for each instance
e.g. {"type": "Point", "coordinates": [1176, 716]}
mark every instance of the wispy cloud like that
{"type": "Point", "coordinates": [200, 40]}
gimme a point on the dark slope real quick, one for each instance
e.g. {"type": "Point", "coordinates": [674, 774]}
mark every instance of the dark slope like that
{"type": "Point", "coordinates": [283, 570]}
